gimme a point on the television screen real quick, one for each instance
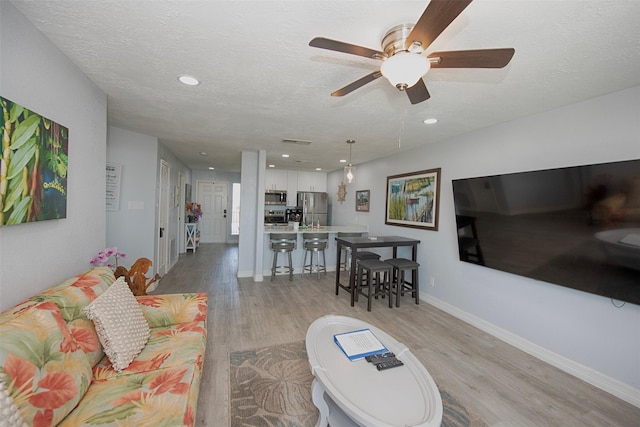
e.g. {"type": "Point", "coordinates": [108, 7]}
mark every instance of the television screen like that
{"type": "Point", "coordinates": [577, 227]}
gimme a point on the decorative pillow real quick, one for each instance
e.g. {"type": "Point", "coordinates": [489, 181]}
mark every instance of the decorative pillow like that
{"type": "Point", "coordinates": [44, 377]}
{"type": "Point", "coordinates": [120, 324]}
{"type": "Point", "coordinates": [8, 410]}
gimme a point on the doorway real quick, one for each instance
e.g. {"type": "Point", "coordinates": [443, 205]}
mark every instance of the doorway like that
{"type": "Point", "coordinates": [213, 199]}
{"type": "Point", "coordinates": [163, 219]}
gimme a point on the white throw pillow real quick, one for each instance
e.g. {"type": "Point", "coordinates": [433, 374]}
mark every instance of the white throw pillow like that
{"type": "Point", "coordinates": [9, 414]}
{"type": "Point", "coordinates": [120, 324]}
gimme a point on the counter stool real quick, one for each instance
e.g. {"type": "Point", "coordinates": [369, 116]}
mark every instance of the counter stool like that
{"type": "Point", "coordinates": [346, 251]}
{"type": "Point", "coordinates": [315, 243]}
{"type": "Point", "coordinates": [400, 265]}
{"type": "Point", "coordinates": [376, 286]}
{"type": "Point", "coordinates": [282, 243]}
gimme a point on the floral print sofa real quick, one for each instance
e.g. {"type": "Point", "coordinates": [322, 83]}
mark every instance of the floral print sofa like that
{"type": "Point", "coordinates": [55, 372]}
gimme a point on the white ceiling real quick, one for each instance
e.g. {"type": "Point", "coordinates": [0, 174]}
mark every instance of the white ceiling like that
{"type": "Point", "coordinates": [262, 82]}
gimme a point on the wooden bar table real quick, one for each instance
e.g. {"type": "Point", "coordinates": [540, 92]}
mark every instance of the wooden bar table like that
{"type": "Point", "coordinates": [357, 243]}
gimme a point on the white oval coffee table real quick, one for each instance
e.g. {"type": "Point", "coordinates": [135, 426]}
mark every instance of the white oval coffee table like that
{"type": "Point", "coordinates": [356, 394]}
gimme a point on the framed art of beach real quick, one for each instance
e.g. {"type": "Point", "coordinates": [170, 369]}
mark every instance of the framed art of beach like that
{"type": "Point", "coordinates": [413, 199]}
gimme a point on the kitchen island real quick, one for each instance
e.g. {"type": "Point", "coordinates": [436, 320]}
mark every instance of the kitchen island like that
{"type": "Point", "coordinates": [298, 254]}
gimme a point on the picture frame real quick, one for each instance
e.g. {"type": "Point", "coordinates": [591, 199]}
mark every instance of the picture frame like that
{"type": "Point", "coordinates": [413, 199]}
{"type": "Point", "coordinates": [362, 200]}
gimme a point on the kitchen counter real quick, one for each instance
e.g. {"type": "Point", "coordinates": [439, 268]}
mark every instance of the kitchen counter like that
{"type": "Point", "coordinates": [333, 229]}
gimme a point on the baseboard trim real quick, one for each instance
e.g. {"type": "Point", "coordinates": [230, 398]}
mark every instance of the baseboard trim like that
{"type": "Point", "coordinates": [591, 376]}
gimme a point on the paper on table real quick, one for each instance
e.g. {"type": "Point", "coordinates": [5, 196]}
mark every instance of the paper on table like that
{"type": "Point", "coordinates": [359, 344]}
{"type": "Point", "coordinates": [631, 239]}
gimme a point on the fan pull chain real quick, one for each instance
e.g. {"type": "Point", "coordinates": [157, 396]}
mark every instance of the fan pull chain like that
{"type": "Point", "coordinates": [404, 109]}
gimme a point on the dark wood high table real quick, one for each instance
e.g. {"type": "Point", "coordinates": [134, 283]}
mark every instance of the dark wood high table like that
{"type": "Point", "coordinates": [357, 243]}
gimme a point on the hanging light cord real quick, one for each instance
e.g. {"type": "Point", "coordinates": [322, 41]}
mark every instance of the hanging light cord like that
{"type": "Point", "coordinates": [404, 109]}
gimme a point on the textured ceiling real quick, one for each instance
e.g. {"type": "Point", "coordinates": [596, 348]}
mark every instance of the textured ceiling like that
{"type": "Point", "coordinates": [261, 82]}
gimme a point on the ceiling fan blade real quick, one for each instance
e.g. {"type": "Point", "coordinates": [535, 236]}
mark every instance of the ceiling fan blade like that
{"type": "Point", "coordinates": [339, 46]}
{"type": "Point", "coordinates": [481, 58]}
{"type": "Point", "coordinates": [418, 92]}
{"type": "Point", "coordinates": [358, 83]}
{"type": "Point", "coordinates": [435, 18]}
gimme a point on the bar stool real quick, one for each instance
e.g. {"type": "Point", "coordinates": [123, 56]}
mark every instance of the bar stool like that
{"type": "Point", "coordinates": [346, 251]}
{"type": "Point", "coordinates": [282, 243]}
{"type": "Point", "coordinates": [400, 265]}
{"type": "Point", "coordinates": [376, 287]}
{"type": "Point", "coordinates": [315, 243]}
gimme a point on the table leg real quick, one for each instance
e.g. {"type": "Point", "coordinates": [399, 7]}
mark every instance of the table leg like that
{"type": "Point", "coordinates": [352, 275]}
{"type": "Point", "coordinates": [338, 267]}
{"type": "Point", "coordinates": [317, 396]}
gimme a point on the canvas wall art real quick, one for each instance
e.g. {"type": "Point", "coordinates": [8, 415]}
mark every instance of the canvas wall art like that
{"type": "Point", "coordinates": [33, 166]}
{"type": "Point", "coordinates": [413, 199]}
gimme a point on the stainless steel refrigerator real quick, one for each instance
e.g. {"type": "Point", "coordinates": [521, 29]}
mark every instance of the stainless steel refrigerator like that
{"type": "Point", "coordinates": [314, 207]}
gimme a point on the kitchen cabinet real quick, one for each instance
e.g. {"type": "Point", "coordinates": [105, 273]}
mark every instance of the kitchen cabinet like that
{"type": "Point", "coordinates": [275, 179]}
{"type": "Point", "coordinates": [312, 181]}
{"type": "Point", "coordinates": [292, 187]}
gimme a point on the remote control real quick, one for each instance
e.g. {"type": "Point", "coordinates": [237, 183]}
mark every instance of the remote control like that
{"type": "Point", "coordinates": [391, 363]}
{"type": "Point", "coordinates": [378, 358]}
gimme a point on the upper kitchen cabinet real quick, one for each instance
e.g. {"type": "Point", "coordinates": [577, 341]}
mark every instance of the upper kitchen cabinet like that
{"type": "Point", "coordinates": [292, 187]}
{"type": "Point", "coordinates": [312, 181]}
{"type": "Point", "coordinates": [276, 179]}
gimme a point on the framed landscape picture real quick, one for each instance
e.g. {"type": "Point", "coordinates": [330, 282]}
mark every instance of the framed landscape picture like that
{"type": "Point", "coordinates": [362, 200]}
{"type": "Point", "coordinates": [413, 199]}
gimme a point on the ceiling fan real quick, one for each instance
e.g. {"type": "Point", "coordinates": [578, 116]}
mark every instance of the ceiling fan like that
{"type": "Point", "coordinates": [402, 48]}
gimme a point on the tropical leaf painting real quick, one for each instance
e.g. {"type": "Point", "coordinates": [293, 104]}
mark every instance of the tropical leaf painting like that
{"type": "Point", "coordinates": [33, 166]}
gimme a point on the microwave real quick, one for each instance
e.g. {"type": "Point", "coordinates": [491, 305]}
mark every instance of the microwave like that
{"type": "Point", "coordinates": [275, 197]}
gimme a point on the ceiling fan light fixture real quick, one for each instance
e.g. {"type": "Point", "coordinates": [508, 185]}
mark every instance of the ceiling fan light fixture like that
{"type": "Point", "coordinates": [404, 69]}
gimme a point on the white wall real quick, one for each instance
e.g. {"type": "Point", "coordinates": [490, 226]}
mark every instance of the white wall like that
{"type": "Point", "coordinates": [585, 329]}
{"type": "Point", "coordinates": [36, 75]}
{"type": "Point", "coordinates": [132, 227]}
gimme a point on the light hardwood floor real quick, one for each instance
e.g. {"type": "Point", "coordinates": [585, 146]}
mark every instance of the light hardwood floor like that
{"type": "Point", "coordinates": [496, 382]}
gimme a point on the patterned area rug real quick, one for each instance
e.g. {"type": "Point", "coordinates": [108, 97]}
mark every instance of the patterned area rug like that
{"type": "Point", "coordinates": [271, 387]}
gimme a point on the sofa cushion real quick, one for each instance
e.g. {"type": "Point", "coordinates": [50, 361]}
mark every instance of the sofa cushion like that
{"type": "Point", "coordinates": [121, 327]}
{"type": "Point", "coordinates": [45, 377]}
{"type": "Point", "coordinates": [71, 296]}
{"type": "Point", "coordinates": [168, 347]}
{"type": "Point", "coordinates": [164, 397]}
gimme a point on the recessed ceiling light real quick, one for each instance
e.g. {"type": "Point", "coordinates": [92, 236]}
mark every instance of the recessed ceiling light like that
{"type": "Point", "coordinates": [272, 166]}
{"type": "Point", "coordinates": [202, 153]}
{"type": "Point", "coordinates": [430, 121]}
{"type": "Point", "coordinates": [285, 155]}
{"type": "Point", "coordinates": [211, 168]}
{"type": "Point", "coordinates": [318, 169]}
{"type": "Point", "coordinates": [189, 80]}
{"type": "Point", "coordinates": [343, 161]}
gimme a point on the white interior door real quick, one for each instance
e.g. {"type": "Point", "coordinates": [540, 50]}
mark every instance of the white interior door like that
{"type": "Point", "coordinates": [212, 196]}
{"type": "Point", "coordinates": [163, 219]}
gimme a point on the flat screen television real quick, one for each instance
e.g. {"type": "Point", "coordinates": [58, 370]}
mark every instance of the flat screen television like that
{"type": "Point", "coordinates": [577, 226]}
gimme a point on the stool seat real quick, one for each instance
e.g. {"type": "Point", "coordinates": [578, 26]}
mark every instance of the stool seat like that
{"type": "Point", "coordinates": [282, 243]}
{"type": "Point", "coordinates": [376, 285]}
{"type": "Point", "coordinates": [400, 265]}
{"type": "Point", "coordinates": [403, 263]}
{"type": "Point", "coordinates": [315, 243]}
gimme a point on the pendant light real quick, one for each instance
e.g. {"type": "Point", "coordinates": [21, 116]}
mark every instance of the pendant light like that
{"type": "Point", "coordinates": [349, 170]}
